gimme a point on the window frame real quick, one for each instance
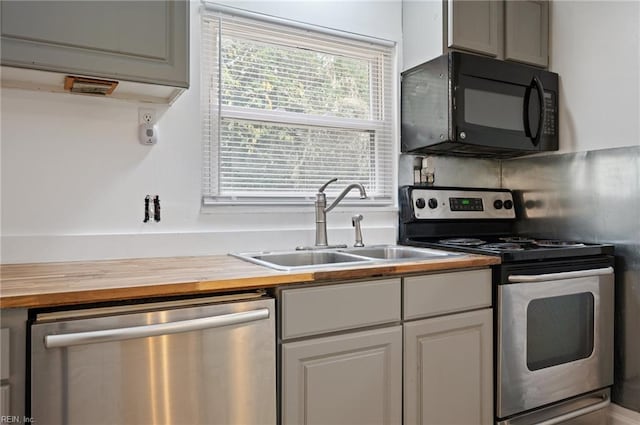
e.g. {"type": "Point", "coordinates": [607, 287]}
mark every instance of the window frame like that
{"type": "Point", "coordinates": [214, 112]}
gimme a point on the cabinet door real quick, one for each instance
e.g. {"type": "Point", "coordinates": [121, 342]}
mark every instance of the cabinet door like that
{"type": "Point", "coordinates": [351, 379]}
{"type": "Point", "coordinates": [144, 41]}
{"type": "Point", "coordinates": [5, 401]}
{"type": "Point", "coordinates": [13, 340]}
{"type": "Point", "coordinates": [474, 25]}
{"type": "Point", "coordinates": [527, 31]}
{"type": "Point", "coordinates": [448, 370]}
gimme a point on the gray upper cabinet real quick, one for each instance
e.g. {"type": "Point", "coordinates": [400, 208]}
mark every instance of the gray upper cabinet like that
{"type": "Point", "coordinates": [133, 41]}
{"type": "Point", "coordinates": [474, 25]}
{"type": "Point", "coordinates": [516, 30]}
{"type": "Point", "coordinates": [527, 32]}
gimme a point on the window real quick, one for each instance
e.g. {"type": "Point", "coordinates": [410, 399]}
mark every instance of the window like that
{"type": "Point", "coordinates": [288, 108]}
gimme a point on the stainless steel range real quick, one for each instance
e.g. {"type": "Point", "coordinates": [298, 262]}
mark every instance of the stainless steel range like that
{"type": "Point", "coordinates": [553, 303]}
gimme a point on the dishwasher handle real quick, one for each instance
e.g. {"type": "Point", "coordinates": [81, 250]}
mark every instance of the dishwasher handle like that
{"type": "Point", "coordinates": [516, 278]}
{"type": "Point", "coordinates": [121, 334]}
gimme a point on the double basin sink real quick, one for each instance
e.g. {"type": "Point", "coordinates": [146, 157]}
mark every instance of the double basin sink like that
{"type": "Point", "coordinates": [307, 259]}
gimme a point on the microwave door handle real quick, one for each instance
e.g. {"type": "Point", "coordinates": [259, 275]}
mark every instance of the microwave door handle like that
{"type": "Point", "coordinates": [540, 88]}
{"type": "Point", "coordinates": [535, 82]}
{"type": "Point", "coordinates": [525, 110]}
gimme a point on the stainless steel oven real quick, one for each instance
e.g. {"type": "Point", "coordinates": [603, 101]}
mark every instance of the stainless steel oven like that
{"type": "Point", "coordinates": [555, 338]}
{"type": "Point", "coordinates": [553, 303]}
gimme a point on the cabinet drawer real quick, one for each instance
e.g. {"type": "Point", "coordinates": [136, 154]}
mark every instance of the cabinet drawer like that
{"type": "Point", "coordinates": [311, 311]}
{"type": "Point", "coordinates": [443, 293]}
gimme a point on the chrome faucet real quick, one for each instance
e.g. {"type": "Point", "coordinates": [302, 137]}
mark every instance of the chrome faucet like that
{"type": "Point", "coordinates": [322, 209]}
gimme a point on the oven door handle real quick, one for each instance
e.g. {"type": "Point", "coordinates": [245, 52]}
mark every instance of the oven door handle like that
{"type": "Point", "coordinates": [518, 278]}
{"type": "Point", "coordinates": [580, 412]}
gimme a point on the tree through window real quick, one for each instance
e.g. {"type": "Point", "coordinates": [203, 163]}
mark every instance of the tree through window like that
{"type": "Point", "coordinates": [286, 109]}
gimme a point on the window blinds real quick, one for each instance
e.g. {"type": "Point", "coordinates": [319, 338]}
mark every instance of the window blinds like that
{"type": "Point", "coordinates": [285, 109]}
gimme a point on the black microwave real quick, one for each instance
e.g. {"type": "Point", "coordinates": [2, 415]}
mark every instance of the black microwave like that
{"type": "Point", "coordinates": [468, 105]}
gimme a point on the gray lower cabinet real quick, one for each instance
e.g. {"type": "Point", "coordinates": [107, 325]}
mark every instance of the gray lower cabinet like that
{"type": "Point", "coordinates": [353, 378]}
{"type": "Point", "coordinates": [448, 369]}
{"type": "Point", "coordinates": [412, 350]}
{"type": "Point", "coordinates": [341, 359]}
{"type": "Point", "coordinates": [13, 358]}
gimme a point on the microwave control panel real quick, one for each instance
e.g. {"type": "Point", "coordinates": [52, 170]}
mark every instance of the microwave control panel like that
{"type": "Point", "coordinates": [550, 103]}
{"type": "Point", "coordinates": [430, 203]}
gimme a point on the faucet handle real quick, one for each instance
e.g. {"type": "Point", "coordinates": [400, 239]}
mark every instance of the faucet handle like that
{"type": "Point", "coordinates": [324, 186]}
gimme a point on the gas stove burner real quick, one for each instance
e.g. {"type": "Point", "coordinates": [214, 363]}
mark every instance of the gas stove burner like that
{"type": "Point", "coordinates": [504, 246]}
{"type": "Point", "coordinates": [463, 241]}
{"type": "Point", "coordinates": [517, 239]}
{"type": "Point", "coordinates": [550, 243]}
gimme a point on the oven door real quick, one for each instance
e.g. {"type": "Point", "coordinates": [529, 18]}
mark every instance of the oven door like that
{"type": "Point", "coordinates": [555, 337]}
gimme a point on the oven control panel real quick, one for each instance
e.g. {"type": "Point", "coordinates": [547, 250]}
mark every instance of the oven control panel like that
{"type": "Point", "coordinates": [434, 203]}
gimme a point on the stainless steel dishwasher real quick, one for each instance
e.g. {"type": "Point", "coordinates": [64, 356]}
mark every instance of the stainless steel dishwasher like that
{"type": "Point", "coordinates": [197, 361]}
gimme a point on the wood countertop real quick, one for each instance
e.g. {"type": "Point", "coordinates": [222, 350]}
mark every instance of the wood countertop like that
{"type": "Point", "coordinates": [53, 284]}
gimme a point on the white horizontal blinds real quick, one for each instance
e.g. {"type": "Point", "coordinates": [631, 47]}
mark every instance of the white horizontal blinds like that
{"type": "Point", "coordinates": [297, 108]}
{"type": "Point", "coordinates": [289, 159]}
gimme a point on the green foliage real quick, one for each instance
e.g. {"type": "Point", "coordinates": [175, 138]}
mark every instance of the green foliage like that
{"type": "Point", "coordinates": [294, 80]}
{"type": "Point", "coordinates": [271, 157]}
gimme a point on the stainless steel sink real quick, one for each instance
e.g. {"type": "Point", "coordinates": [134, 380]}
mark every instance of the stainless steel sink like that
{"type": "Point", "coordinates": [394, 252]}
{"type": "Point", "coordinates": [296, 260]}
{"type": "Point", "coordinates": [312, 259]}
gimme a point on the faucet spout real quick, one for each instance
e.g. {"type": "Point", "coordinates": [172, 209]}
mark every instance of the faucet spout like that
{"type": "Point", "coordinates": [363, 195]}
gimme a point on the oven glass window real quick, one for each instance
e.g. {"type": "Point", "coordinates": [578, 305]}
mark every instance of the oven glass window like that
{"type": "Point", "coordinates": [559, 330]}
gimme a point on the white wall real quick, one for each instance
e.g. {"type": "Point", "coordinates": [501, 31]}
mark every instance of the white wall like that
{"type": "Point", "coordinates": [74, 176]}
{"type": "Point", "coordinates": [595, 48]}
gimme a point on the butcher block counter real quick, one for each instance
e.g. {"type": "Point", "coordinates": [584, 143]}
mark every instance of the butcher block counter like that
{"type": "Point", "coordinates": [53, 284]}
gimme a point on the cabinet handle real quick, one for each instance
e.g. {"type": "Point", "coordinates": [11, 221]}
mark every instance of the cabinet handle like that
{"type": "Point", "coordinates": [121, 334]}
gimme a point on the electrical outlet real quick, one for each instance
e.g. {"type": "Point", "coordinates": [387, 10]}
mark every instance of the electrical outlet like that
{"type": "Point", "coordinates": [146, 116]}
